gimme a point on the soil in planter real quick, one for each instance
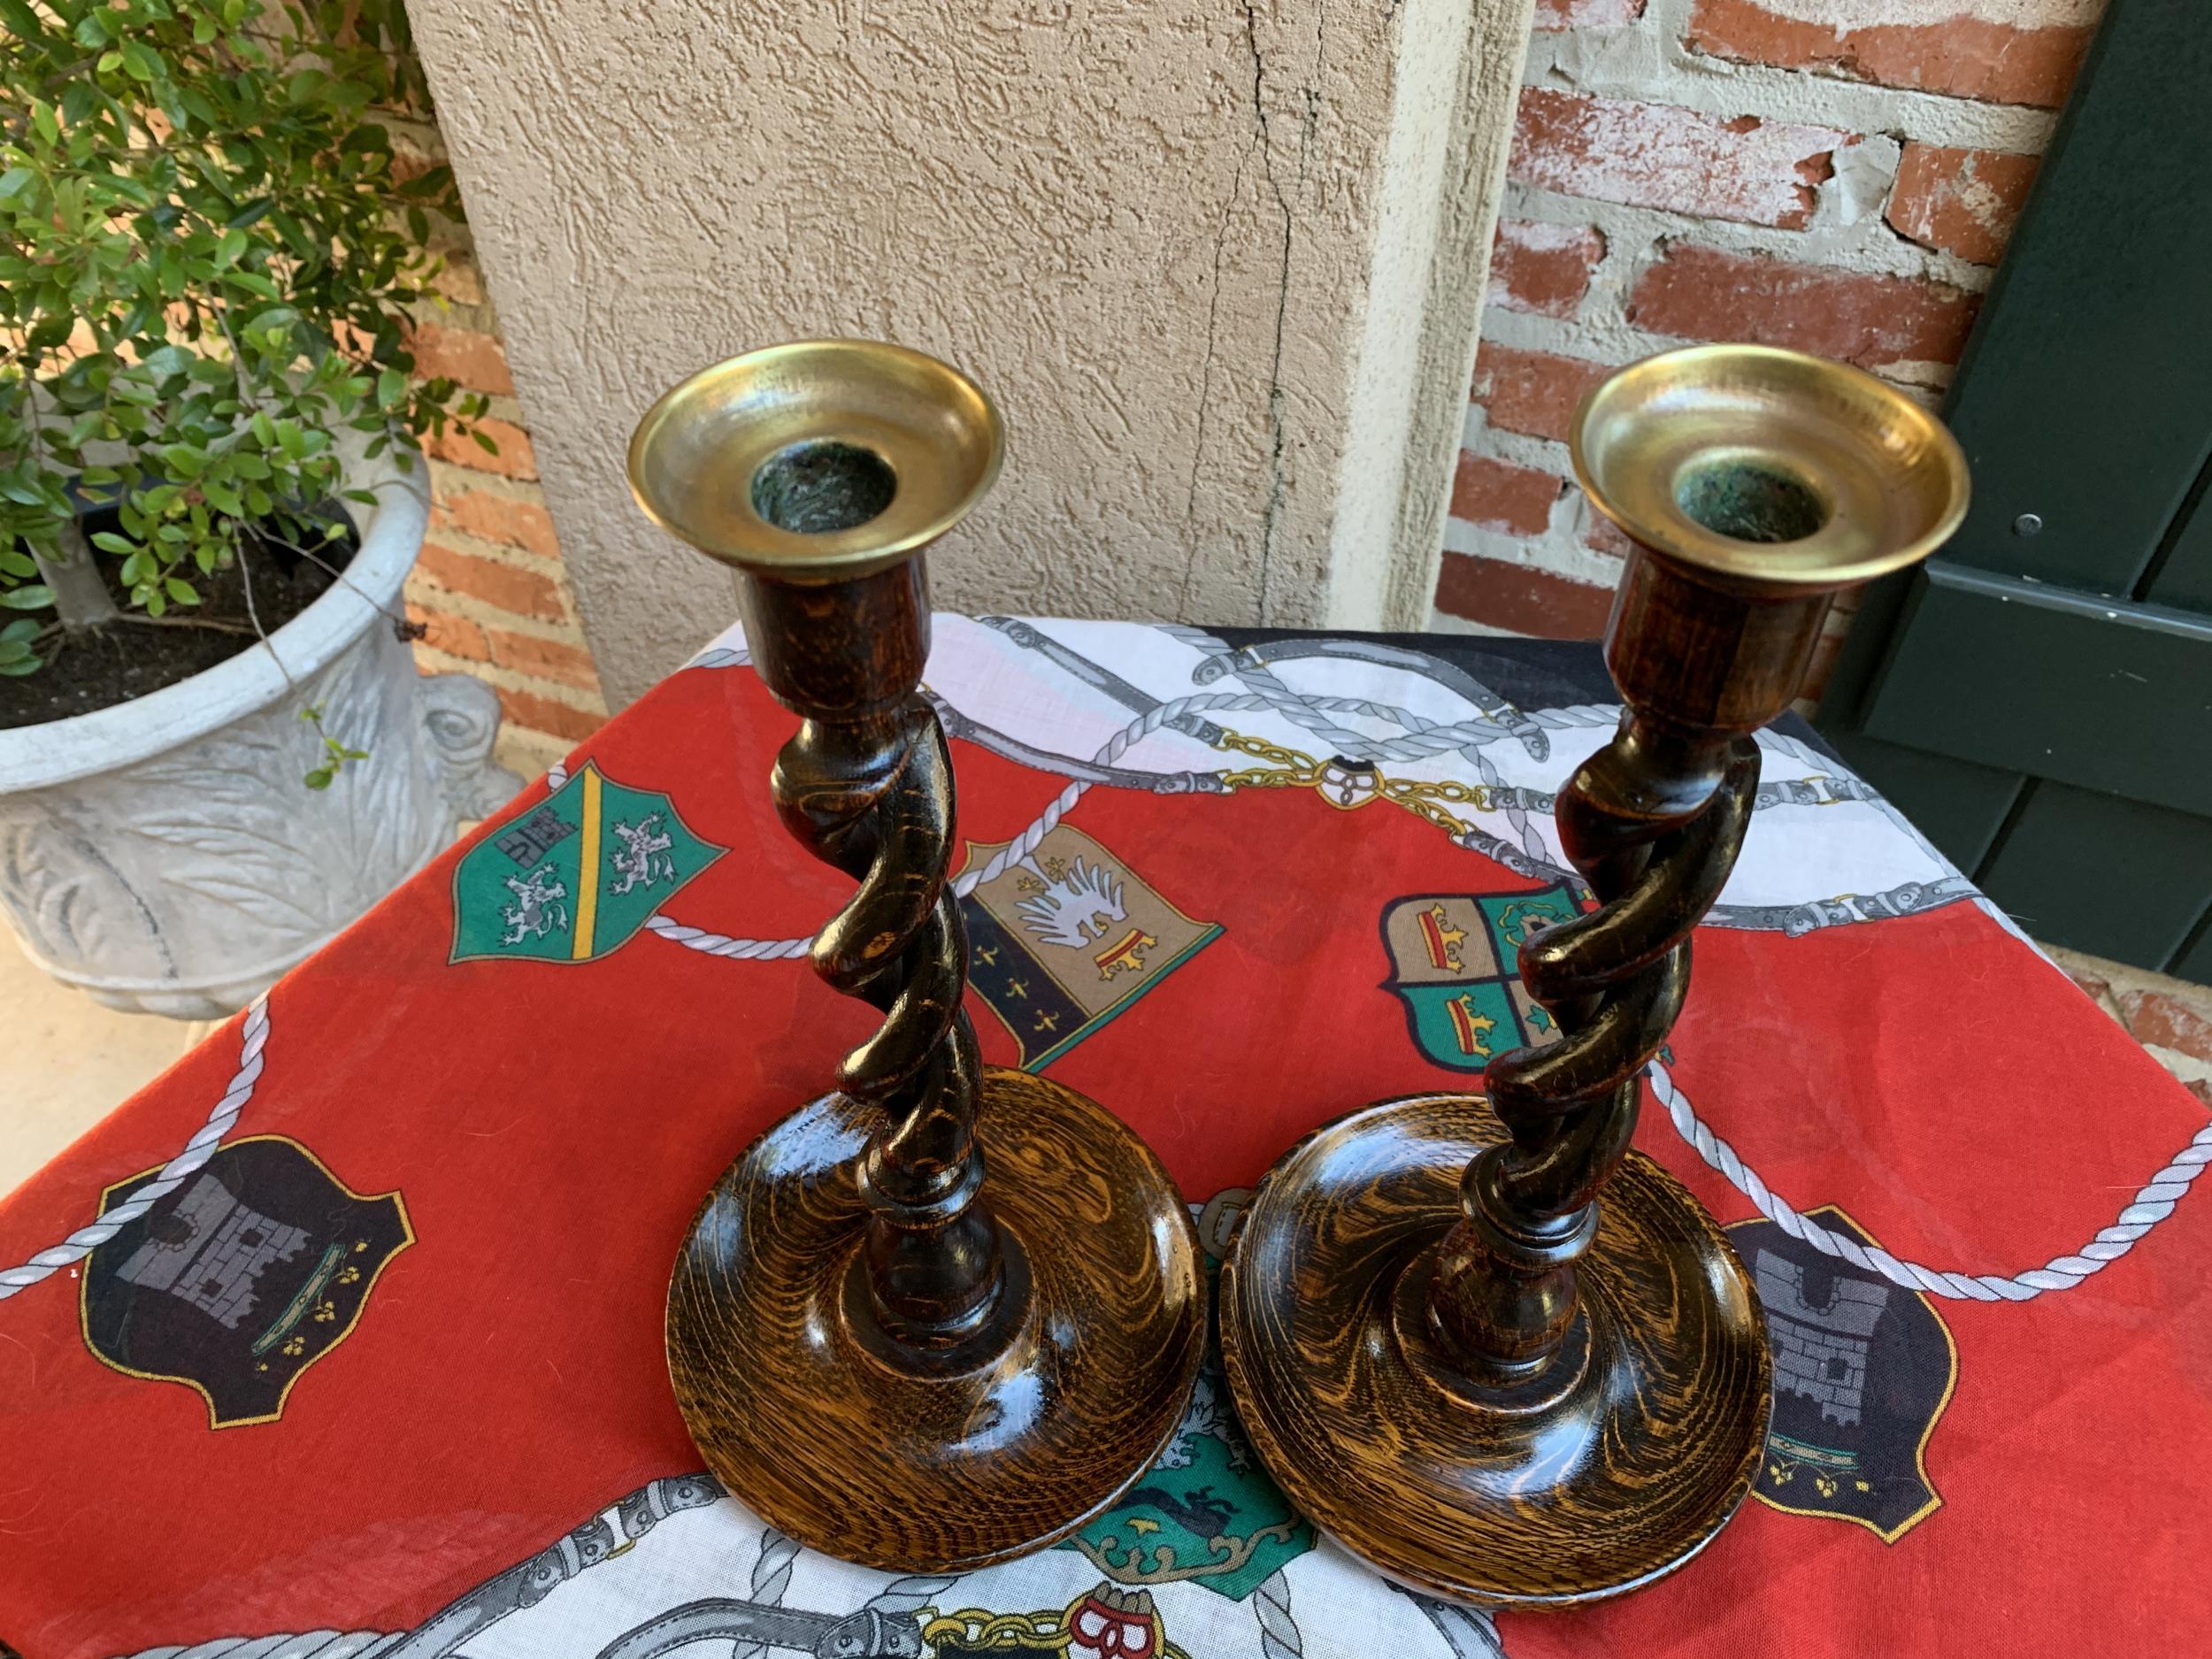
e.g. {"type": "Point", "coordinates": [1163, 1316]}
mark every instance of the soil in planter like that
{"type": "Point", "coordinates": [96, 668]}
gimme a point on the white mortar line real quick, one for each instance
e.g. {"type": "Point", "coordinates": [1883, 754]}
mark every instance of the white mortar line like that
{"type": "Point", "coordinates": [1516, 449]}
{"type": "Point", "coordinates": [1602, 329]}
{"type": "Point", "coordinates": [1647, 63]}
{"type": "Point", "coordinates": [1444, 622]}
{"type": "Point", "coordinates": [1560, 551]}
{"type": "Point", "coordinates": [1867, 243]}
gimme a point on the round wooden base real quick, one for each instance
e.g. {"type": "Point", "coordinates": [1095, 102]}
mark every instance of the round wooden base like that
{"type": "Point", "coordinates": [814, 1418]}
{"type": "Point", "coordinates": [1611, 1469]}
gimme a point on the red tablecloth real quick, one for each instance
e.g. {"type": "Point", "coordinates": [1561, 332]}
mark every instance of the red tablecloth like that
{"type": "Point", "coordinates": [374, 1364]}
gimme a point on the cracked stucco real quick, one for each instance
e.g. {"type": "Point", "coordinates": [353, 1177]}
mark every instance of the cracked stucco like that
{"type": "Point", "coordinates": [1169, 238]}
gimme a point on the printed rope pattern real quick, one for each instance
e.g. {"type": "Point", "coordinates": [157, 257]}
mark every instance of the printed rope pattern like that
{"type": "Point", "coordinates": [253, 1035]}
{"type": "Point", "coordinates": [724, 945]}
{"type": "Point", "coordinates": [1020, 847]}
{"type": "Point", "coordinates": [314, 1644]}
{"type": "Point", "coordinates": [2150, 1206]}
{"type": "Point", "coordinates": [771, 1576]}
{"type": "Point", "coordinates": [1279, 1637]}
{"type": "Point", "coordinates": [1425, 739]}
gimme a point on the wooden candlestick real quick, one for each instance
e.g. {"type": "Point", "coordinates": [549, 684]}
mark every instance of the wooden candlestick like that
{"type": "Point", "coordinates": [893, 1351]}
{"type": "Point", "coordinates": [1505, 1358]}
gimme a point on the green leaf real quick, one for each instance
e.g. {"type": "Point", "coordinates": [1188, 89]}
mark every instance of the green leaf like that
{"type": "Point", "coordinates": [320, 779]}
{"type": "Point", "coordinates": [108, 541]}
{"type": "Point", "coordinates": [19, 630]}
{"type": "Point", "coordinates": [30, 596]}
{"type": "Point", "coordinates": [180, 590]}
{"type": "Point", "coordinates": [168, 361]}
{"type": "Point", "coordinates": [271, 215]}
{"type": "Point", "coordinates": [28, 666]}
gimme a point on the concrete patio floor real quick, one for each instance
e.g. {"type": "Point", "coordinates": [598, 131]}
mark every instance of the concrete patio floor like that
{"type": "Point", "coordinates": [70, 1062]}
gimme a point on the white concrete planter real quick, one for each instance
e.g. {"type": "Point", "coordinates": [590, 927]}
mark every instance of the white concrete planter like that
{"type": "Point", "coordinates": [164, 854]}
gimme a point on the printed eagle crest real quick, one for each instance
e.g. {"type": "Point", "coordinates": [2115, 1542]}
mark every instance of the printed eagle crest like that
{"type": "Point", "coordinates": [1076, 908]}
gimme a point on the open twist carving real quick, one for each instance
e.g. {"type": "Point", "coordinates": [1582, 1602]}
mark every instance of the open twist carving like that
{"type": "Point", "coordinates": [872, 795]}
{"type": "Point", "coordinates": [1654, 822]}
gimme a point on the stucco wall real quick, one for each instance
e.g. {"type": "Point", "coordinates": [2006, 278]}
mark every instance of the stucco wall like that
{"type": "Point", "coordinates": [1190, 248]}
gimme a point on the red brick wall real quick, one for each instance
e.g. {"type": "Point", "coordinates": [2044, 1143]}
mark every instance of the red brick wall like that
{"type": "Point", "coordinates": [1836, 175]}
{"type": "Point", "coordinates": [490, 587]}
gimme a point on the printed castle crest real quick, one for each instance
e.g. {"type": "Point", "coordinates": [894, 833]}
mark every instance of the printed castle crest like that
{"type": "Point", "coordinates": [210, 1251]}
{"type": "Point", "coordinates": [1820, 1352]}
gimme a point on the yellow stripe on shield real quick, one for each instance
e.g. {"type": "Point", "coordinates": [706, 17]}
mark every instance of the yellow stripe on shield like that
{"type": "Point", "coordinates": [587, 889]}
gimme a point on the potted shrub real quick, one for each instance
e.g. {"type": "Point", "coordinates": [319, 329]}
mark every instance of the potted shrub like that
{"type": "Point", "coordinates": [214, 748]}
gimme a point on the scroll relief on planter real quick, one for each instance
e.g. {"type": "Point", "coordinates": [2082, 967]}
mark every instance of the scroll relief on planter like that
{"type": "Point", "coordinates": [186, 882]}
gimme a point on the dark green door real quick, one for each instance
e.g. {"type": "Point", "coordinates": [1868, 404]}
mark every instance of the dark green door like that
{"type": "Point", "coordinates": [2039, 698]}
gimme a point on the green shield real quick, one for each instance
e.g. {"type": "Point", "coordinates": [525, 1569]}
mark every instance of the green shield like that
{"type": "Point", "coordinates": [1205, 1511]}
{"type": "Point", "coordinates": [1453, 958]}
{"type": "Point", "coordinates": [1462, 1025]}
{"type": "Point", "coordinates": [571, 878]}
{"type": "Point", "coordinates": [1513, 917]}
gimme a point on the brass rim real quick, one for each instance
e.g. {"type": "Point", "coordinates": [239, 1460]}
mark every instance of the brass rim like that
{"type": "Point", "coordinates": [1888, 479]}
{"type": "Point", "coordinates": [695, 457]}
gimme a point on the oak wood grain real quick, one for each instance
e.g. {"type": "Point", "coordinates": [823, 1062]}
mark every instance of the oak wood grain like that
{"type": "Point", "coordinates": [1606, 1472]}
{"type": "Point", "coordinates": [941, 1316]}
{"type": "Point", "coordinates": [803, 1406]}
